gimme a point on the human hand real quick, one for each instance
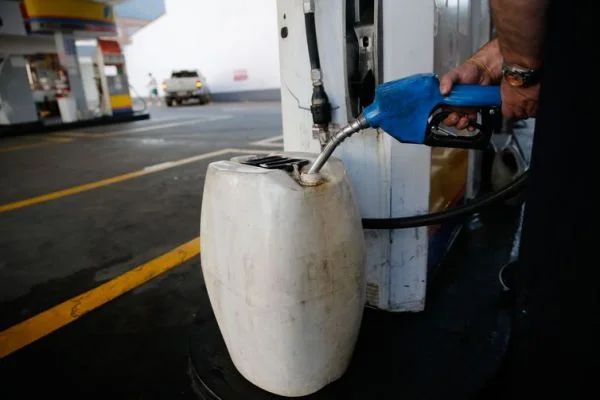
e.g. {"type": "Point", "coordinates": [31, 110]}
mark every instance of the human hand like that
{"type": "Point", "coordinates": [519, 103]}
{"type": "Point", "coordinates": [483, 68]}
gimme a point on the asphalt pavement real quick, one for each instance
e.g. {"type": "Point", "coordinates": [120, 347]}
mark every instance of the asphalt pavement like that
{"type": "Point", "coordinates": [79, 209]}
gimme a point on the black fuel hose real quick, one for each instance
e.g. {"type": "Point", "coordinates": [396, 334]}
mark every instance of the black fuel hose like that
{"type": "Point", "coordinates": [320, 107]}
{"type": "Point", "coordinates": [311, 39]}
{"type": "Point", "coordinates": [508, 192]}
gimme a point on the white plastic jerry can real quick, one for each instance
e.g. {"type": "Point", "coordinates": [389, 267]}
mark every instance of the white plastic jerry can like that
{"type": "Point", "coordinates": [284, 267]}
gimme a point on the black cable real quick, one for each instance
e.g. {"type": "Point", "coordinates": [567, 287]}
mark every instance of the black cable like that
{"type": "Point", "coordinates": [503, 194]}
{"type": "Point", "coordinates": [311, 38]}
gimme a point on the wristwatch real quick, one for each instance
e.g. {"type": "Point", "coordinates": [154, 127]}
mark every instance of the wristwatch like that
{"type": "Point", "coordinates": [518, 76]}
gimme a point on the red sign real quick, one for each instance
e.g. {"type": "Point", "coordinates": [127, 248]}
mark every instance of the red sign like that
{"type": "Point", "coordinates": [240, 75]}
{"type": "Point", "coordinates": [109, 46]}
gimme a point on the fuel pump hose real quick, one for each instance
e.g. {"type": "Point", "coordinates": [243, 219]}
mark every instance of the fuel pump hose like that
{"type": "Point", "coordinates": [311, 39]}
{"type": "Point", "coordinates": [320, 106]}
{"type": "Point", "coordinates": [508, 192]}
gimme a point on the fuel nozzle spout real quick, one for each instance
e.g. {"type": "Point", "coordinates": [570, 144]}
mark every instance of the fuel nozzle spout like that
{"type": "Point", "coordinates": [356, 126]}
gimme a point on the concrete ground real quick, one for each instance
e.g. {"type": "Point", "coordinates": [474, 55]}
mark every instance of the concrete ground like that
{"type": "Point", "coordinates": [60, 238]}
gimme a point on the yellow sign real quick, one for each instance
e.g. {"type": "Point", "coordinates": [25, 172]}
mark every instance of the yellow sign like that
{"type": "Point", "coordinates": [121, 103]}
{"type": "Point", "coordinates": [78, 15]}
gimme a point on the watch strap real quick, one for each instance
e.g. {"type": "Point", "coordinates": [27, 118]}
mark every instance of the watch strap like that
{"type": "Point", "coordinates": [520, 76]}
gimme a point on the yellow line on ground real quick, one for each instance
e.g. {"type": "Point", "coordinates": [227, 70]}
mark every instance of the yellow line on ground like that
{"type": "Point", "coordinates": [109, 181]}
{"type": "Point", "coordinates": [120, 178]}
{"type": "Point", "coordinates": [69, 134]}
{"type": "Point", "coordinates": [46, 142]}
{"type": "Point", "coordinates": [28, 331]}
{"type": "Point", "coordinates": [58, 139]}
{"type": "Point", "coordinates": [22, 147]}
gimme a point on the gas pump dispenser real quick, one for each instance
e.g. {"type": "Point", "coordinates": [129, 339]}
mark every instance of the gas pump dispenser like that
{"type": "Point", "coordinates": [114, 85]}
{"type": "Point", "coordinates": [361, 44]}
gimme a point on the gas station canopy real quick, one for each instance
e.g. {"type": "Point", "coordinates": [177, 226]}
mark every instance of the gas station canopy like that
{"type": "Point", "coordinates": [91, 18]}
{"type": "Point", "coordinates": [61, 15]}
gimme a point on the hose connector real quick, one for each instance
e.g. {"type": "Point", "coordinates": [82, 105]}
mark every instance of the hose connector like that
{"type": "Point", "coordinates": [356, 126]}
{"type": "Point", "coordinates": [309, 6]}
{"type": "Point", "coordinates": [316, 77]}
{"type": "Point", "coordinates": [320, 106]}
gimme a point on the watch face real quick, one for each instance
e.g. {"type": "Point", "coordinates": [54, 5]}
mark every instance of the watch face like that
{"type": "Point", "coordinates": [514, 79]}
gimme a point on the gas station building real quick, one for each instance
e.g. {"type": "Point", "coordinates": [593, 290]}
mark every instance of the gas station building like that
{"type": "Point", "coordinates": [61, 61]}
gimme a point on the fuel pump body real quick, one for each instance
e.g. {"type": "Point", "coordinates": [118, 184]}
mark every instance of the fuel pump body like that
{"type": "Point", "coordinates": [114, 84]}
{"type": "Point", "coordinates": [363, 43]}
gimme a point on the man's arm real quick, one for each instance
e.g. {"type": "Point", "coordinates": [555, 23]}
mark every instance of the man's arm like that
{"type": "Point", "coordinates": [520, 28]}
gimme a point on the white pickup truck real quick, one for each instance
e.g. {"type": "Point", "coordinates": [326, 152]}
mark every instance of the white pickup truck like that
{"type": "Point", "coordinates": [184, 85]}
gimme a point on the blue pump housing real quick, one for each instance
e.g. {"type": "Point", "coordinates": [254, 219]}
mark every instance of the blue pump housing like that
{"type": "Point", "coordinates": [402, 107]}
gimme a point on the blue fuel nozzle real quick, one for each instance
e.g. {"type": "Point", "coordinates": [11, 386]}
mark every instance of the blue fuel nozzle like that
{"type": "Point", "coordinates": [412, 109]}
{"type": "Point", "coordinates": [403, 108]}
